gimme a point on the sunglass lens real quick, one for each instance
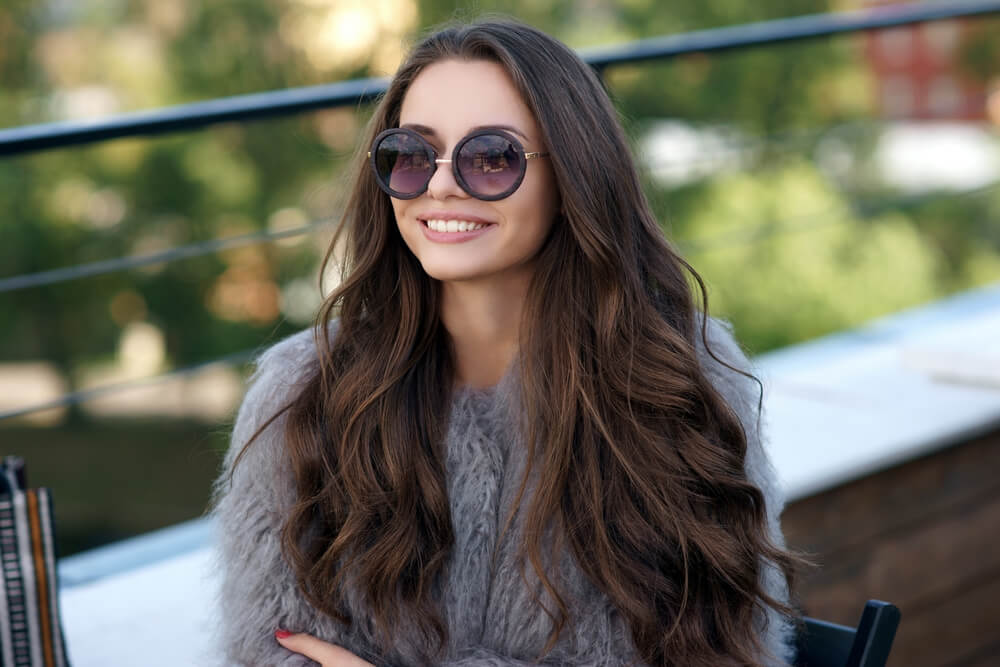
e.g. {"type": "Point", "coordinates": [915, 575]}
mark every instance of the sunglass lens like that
{"type": "Point", "coordinates": [402, 163]}
{"type": "Point", "coordinates": [490, 164]}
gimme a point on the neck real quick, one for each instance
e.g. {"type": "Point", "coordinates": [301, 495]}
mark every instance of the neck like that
{"type": "Point", "coordinates": [483, 320]}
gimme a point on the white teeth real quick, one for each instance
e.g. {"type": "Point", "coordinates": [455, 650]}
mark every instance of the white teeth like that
{"type": "Point", "coordinates": [454, 225]}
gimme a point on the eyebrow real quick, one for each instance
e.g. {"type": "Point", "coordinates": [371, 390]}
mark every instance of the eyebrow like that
{"type": "Point", "coordinates": [423, 129]}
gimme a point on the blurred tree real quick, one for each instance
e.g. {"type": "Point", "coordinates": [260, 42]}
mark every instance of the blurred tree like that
{"type": "Point", "coordinates": [776, 204]}
{"type": "Point", "coordinates": [72, 60]}
{"type": "Point", "coordinates": [813, 264]}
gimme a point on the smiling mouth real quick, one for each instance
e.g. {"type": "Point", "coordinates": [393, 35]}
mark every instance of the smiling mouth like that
{"type": "Point", "coordinates": [453, 226]}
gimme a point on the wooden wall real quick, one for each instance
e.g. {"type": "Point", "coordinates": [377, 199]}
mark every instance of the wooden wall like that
{"type": "Point", "coordinates": [924, 535]}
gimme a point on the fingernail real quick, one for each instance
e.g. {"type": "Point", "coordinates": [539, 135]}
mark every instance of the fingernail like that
{"type": "Point", "coordinates": [283, 634]}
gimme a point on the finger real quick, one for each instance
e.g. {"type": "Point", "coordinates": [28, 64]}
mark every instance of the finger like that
{"type": "Point", "coordinates": [307, 645]}
{"type": "Point", "coordinates": [326, 654]}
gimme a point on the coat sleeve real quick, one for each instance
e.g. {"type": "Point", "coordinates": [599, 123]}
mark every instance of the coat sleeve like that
{"type": "Point", "coordinates": [258, 593]}
{"type": "Point", "coordinates": [613, 649]}
{"type": "Point", "coordinates": [481, 657]}
{"type": "Point", "coordinates": [744, 396]}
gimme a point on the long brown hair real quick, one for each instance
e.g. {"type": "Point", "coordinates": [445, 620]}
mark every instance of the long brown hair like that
{"type": "Point", "coordinates": [639, 459]}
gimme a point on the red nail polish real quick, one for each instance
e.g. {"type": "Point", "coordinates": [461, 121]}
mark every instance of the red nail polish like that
{"type": "Point", "coordinates": [283, 634]}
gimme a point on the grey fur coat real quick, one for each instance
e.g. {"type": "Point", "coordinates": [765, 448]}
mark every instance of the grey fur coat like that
{"type": "Point", "coordinates": [489, 609]}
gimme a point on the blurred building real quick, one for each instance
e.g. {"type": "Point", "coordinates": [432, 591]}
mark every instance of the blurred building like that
{"type": "Point", "coordinates": [921, 72]}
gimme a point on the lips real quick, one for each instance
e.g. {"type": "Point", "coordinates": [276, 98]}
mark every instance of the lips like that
{"type": "Point", "coordinates": [450, 231]}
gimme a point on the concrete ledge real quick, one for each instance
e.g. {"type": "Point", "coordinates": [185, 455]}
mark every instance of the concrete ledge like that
{"type": "Point", "coordinates": [119, 557]}
{"type": "Point", "coordinates": [855, 402]}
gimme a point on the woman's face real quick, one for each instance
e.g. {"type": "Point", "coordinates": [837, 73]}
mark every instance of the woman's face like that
{"type": "Point", "coordinates": [444, 103]}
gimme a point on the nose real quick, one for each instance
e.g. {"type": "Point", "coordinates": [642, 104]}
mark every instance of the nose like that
{"type": "Point", "coordinates": [443, 184]}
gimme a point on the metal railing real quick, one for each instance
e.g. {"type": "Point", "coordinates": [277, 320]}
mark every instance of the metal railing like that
{"type": "Point", "coordinates": [188, 117]}
{"type": "Point", "coordinates": [297, 100]}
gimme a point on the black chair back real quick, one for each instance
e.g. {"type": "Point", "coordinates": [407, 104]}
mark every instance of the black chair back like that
{"type": "Point", "coordinates": [823, 644]}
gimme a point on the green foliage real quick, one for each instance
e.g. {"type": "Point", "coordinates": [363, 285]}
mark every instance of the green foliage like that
{"type": "Point", "coordinates": [790, 248]}
{"type": "Point", "coordinates": [826, 270]}
{"type": "Point", "coordinates": [140, 196]}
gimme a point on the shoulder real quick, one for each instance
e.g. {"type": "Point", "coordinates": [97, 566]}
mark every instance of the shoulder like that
{"type": "Point", "coordinates": [727, 367]}
{"type": "Point", "coordinates": [722, 341]}
{"type": "Point", "coordinates": [280, 373]}
{"type": "Point", "coordinates": [284, 365]}
{"type": "Point", "coordinates": [255, 466]}
{"type": "Point", "coordinates": [743, 392]}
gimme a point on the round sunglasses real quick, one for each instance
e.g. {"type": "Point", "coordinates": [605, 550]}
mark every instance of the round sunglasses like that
{"type": "Point", "coordinates": [487, 164]}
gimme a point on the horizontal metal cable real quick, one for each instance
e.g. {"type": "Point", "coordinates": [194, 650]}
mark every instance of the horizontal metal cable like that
{"type": "Point", "coordinates": [296, 100]}
{"type": "Point", "coordinates": [82, 396]}
{"type": "Point", "coordinates": [786, 30]}
{"type": "Point", "coordinates": [68, 273]}
{"type": "Point", "coordinates": [759, 233]}
{"type": "Point", "coordinates": [64, 274]}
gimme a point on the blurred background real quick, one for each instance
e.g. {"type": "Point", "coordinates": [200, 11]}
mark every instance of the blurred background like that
{"type": "Point", "coordinates": [815, 185]}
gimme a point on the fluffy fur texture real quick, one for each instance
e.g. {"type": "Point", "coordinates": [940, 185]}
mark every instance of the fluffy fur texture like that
{"type": "Point", "coordinates": [489, 607]}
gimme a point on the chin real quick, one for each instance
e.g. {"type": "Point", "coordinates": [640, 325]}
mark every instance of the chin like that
{"type": "Point", "coordinates": [453, 274]}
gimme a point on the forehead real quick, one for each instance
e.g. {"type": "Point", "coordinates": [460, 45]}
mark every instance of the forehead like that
{"type": "Point", "coordinates": [453, 96]}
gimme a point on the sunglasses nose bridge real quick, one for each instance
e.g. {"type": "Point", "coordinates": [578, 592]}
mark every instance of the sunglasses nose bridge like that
{"type": "Point", "coordinates": [439, 189]}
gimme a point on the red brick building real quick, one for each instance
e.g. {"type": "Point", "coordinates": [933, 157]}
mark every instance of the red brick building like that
{"type": "Point", "coordinates": [919, 72]}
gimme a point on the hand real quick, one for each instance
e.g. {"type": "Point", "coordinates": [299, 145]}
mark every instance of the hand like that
{"type": "Point", "coordinates": [327, 655]}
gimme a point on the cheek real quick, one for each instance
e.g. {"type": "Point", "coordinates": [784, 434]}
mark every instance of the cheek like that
{"type": "Point", "coordinates": [538, 207]}
{"type": "Point", "coordinates": [529, 235]}
{"type": "Point", "coordinates": [398, 210]}
{"type": "Point", "coordinates": [546, 192]}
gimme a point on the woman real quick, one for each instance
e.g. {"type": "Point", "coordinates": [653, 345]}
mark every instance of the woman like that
{"type": "Point", "coordinates": [512, 437]}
